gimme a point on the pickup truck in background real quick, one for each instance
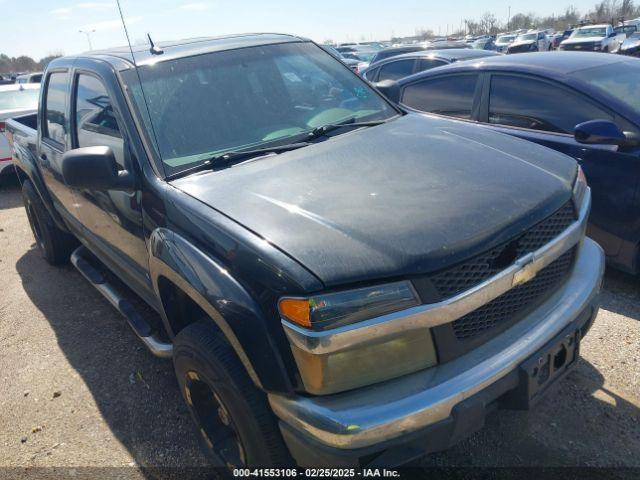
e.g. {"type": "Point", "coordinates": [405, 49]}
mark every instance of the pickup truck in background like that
{"type": "Point", "coordinates": [339, 282]}
{"type": "Point", "coordinates": [593, 38]}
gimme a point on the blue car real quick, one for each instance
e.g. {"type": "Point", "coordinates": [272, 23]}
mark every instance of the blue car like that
{"type": "Point", "coordinates": [586, 105]}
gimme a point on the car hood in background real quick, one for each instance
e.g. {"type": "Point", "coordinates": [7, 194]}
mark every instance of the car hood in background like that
{"type": "Point", "coordinates": [574, 41]}
{"type": "Point", "coordinates": [522, 43]}
{"type": "Point", "coordinates": [407, 197]}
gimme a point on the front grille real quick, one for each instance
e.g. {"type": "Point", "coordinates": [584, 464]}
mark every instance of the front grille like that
{"type": "Point", "coordinates": [585, 47]}
{"type": "Point", "coordinates": [506, 309]}
{"type": "Point", "coordinates": [520, 48]}
{"type": "Point", "coordinates": [468, 274]}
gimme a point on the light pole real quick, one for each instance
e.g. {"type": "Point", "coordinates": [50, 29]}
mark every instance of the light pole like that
{"type": "Point", "coordinates": [509, 18]}
{"type": "Point", "coordinates": [88, 34]}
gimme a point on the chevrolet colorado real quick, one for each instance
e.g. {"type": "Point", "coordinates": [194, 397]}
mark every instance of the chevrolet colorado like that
{"type": "Point", "coordinates": [338, 282]}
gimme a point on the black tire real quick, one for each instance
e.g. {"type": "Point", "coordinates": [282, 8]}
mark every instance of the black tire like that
{"type": "Point", "coordinates": [217, 388]}
{"type": "Point", "coordinates": [54, 244]}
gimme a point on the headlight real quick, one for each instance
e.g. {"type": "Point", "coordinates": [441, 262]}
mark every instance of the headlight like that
{"type": "Point", "coordinates": [579, 188]}
{"type": "Point", "coordinates": [332, 310]}
{"type": "Point", "coordinates": [358, 363]}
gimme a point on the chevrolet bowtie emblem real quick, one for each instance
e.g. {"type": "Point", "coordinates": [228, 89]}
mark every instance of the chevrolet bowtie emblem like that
{"type": "Point", "coordinates": [527, 270]}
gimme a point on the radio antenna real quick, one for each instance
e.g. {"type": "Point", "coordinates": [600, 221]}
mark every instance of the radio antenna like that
{"type": "Point", "coordinates": [135, 66]}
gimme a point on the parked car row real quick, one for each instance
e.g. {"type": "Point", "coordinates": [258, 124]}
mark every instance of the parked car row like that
{"type": "Point", "coordinates": [396, 67]}
{"type": "Point", "coordinates": [11, 78]}
{"type": "Point", "coordinates": [340, 279]}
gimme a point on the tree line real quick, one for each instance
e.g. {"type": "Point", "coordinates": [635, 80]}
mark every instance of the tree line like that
{"type": "Point", "coordinates": [607, 11]}
{"type": "Point", "coordinates": [23, 63]}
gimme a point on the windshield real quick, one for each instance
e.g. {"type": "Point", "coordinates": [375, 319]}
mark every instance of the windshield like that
{"type": "Point", "coordinates": [527, 37]}
{"type": "Point", "coordinates": [19, 99]}
{"type": "Point", "coordinates": [506, 39]}
{"type": "Point", "coordinates": [626, 29]}
{"type": "Point", "coordinates": [254, 97]}
{"type": "Point", "coordinates": [622, 80]}
{"type": "Point", "coordinates": [589, 32]}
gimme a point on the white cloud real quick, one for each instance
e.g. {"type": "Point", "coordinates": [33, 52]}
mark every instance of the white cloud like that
{"type": "Point", "coordinates": [95, 5]}
{"type": "Point", "coordinates": [110, 24]}
{"type": "Point", "coordinates": [196, 6]}
{"type": "Point", "coordinates": [62, 11]}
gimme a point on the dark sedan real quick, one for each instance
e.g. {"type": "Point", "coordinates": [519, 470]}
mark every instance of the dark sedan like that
{"type": "Point", "coordinates": [547, 98]}
{"type": "Point", "coordinates": [404, 65]}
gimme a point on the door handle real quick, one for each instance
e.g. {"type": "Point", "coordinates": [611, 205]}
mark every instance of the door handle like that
{"type": "Point", "coordinates": [44, 159]}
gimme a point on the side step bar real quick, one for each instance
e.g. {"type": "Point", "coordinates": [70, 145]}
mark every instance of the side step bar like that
{"type": "Point", "coordinates": [142, 328]}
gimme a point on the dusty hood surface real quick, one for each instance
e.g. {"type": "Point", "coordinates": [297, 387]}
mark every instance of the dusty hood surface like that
{"type": "Point", "coordinates": [407, 197]}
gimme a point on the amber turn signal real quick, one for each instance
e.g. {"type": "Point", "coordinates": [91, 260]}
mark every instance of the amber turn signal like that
{"type": "Point", "coordinates": [296, 310]}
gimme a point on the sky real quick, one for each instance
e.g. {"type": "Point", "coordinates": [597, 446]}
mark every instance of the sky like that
{"type": "Point", "coordinates": [42, 27]}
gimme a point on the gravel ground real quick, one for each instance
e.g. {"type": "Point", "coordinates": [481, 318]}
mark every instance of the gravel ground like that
{"type": "Point", "coordinates": [79, 390]}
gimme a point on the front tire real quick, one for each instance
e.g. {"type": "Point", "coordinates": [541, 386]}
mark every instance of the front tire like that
{"type": "Point", "coordinates": [236, 424]}
{"type": "Point", "coordinates": [54, 244]}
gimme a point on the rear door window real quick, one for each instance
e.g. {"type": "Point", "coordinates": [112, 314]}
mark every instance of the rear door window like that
{"type": "Point", "coordinates": [429, 63]}
{"type": "Point", "coordinates": [55, 107]}
{"type": "Point", "coordinates": [522, 102]}
{"type": "Point", "coordinates": [396, 70]}
{"type": "Point", "coordinates": [450, 95]}
{"type": "Point", "coordinates": [96, 121]}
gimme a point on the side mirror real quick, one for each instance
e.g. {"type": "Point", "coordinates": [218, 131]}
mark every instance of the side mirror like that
{"type": "Point", "coordinates": [601, 132]}
{"type": "Point", "coordinates": [94, 168]}
{"type": "Point", "coordinates": [612, 34]}
{"type": "Point", "coordinates": [390, 89]}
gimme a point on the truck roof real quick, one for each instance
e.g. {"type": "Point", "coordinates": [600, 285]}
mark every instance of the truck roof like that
{"type": "Point", "coordinates": [189, 47]}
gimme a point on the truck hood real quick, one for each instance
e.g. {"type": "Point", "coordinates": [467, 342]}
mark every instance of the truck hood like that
{"type": "Point", "coordinates": [407, 197]}
{"type": "Point", "coordinates": [577, 41]}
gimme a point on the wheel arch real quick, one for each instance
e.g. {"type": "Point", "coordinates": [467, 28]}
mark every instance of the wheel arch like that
{"type": "Point", "coordinates": [191, 285]}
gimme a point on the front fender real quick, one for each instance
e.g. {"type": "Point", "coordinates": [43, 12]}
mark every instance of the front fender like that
{"type": "Point", "coordinates": [224, 300]}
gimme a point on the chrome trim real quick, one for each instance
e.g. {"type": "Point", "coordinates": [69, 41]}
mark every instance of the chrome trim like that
{"type": "Point", "coordinates": [377, 329]}
{"type": "Point", "coordinates": [381, 412]}
{"type": "Point", "coordinates": [156, 347]}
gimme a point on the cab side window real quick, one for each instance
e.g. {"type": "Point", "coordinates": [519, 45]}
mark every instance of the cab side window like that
{"type": "Point", "coordinates": [429, 63]}
{"type": "Point", "coordinates": [96, 122]}
{"type": "Point", "coordinates": [450, 95]}
{"type": "Point", "coordinates": [529, 103]}
{"type": "Point", "coordinates": [55, 108]}
{"type": "Point", "coordinates": [396, 70]}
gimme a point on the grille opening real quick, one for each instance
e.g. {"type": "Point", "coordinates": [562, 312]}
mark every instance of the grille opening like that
{"type": "Point", "coordinates": [507, 308]}
{"type": "Point", "coordinates": [470, 273]}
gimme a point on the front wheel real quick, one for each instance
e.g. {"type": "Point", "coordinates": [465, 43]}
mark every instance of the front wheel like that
{"type": "Point", "coordinates": [237, 426]}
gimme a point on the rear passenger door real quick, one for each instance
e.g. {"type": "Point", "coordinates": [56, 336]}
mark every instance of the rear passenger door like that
{"type": "Point", "coordinates": [546, 112]}
{"type": "Point", "coordinates": [112, 218]}
{"type": "Point", "coordinates": [54, 140]}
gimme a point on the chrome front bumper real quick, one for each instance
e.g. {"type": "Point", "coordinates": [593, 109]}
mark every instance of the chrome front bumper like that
{"type": "Point", "coordinates": [385, 411]}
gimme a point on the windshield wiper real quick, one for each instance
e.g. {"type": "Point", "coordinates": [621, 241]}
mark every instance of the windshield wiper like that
{"type": "Point", "coordinates": [225, 159]}
{"type": "Point", "coordinates": [351, 123]}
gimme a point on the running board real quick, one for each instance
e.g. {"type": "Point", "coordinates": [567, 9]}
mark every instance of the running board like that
{"type": "Point", "coordinates": [80, 259]}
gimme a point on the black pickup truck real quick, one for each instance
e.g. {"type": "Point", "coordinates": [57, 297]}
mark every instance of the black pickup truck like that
{"type": "Point", "coordinates": [338, 282]}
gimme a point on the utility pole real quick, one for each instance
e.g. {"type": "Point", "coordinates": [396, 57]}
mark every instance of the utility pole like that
{"type": "Point", "coordinates": [509, 19]}
{"type": "Point", "coordinates": [88, 34]}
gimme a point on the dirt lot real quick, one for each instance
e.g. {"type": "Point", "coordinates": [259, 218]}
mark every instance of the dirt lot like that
{"type": "Point", "coordinates": [78, 389]}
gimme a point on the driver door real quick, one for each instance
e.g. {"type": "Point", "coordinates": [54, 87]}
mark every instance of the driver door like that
{"type": "Point", "coordinates": [113, 219]}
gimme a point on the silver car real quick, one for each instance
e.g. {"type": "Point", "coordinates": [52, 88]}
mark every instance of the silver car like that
{"type": "Point", "coordinates": [15, 100]}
